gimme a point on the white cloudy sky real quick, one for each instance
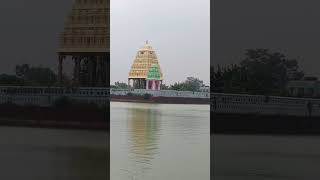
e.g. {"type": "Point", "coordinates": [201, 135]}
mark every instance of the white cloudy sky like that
{"type": "Point", "coordinates": [179, 31]}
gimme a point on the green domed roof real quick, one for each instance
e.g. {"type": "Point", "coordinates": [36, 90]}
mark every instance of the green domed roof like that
{"type": "Point", "coordinates": [154, 73]}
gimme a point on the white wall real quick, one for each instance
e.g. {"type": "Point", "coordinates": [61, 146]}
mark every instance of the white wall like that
{"type": "Point", "coordinates": [45, 96]}
{"type": "Point", "coordinates": [161, 93]}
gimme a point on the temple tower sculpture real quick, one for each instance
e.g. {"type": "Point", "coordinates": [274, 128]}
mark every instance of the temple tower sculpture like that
{"type": "Point", "coordinates": [145, 58]}
{"type": "Point", "coordinates": [86, 41]}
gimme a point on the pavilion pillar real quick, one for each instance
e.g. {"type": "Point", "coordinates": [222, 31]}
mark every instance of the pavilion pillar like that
{"type": "Point", "coordinates": [137, 84]}
{"type": "Point", "coordinates": [99, 70]}
{"type": "Point", "coordinates": [103, 71]}
{"type": "Point", "coordinates": [77, 68]}
{"type": "Point", "coordinates": [129, 83]}
{"type": "Point", "coordinates": [92, 71]}
{"type": "Point", "coordinates": [78, 62]}
{"type": "Point", "coordinates": [60, 68]}
{"type": "Point", "coordinates": [106, 73]}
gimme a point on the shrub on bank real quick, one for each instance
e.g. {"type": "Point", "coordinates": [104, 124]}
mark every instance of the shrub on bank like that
{"type": "Point", "coordinates": [147, 96]}
{"type": "Point", "coordinates": [62, 102]}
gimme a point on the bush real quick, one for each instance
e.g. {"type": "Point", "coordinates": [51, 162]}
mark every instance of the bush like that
{"type": "Point", "coordinates": [129, 94]}
{"type": "Point", "coordinates": [62, 102]}
{"type": "Point", "coordinates": [147, 96]}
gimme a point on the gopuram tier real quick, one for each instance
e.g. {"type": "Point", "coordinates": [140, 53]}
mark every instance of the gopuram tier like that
{"type": "Point", "coordinates": [138, 75]}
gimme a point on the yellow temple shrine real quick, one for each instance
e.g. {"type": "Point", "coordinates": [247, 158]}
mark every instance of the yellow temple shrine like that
{"type": "Point", "coordinates": [144, 60]}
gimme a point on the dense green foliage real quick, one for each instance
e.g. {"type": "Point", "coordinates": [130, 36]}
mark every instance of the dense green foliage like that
{"type": "Point", "coordinates": [62, 102]}
{"type": "Point", "coordinates": [260, 72]}
{"type": "Point", "coordinates": [164, 87]}
{"type": "Point", "coordinates": [191, 84]}
{"type": "Point", "coordinates": [120, 85]}
{"type": "Point", "coordinates": [10, 80]}
{"type": "Point", "coordinates": [36, 75]}
{"type": "Point", "coordinates": [29, 76]}
{"type": "Point", "coordinates": [147, 96]}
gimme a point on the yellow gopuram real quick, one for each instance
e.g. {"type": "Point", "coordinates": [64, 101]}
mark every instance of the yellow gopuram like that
{"type": "Point", "coordinates": [138, 73]}
{"type": "Point", "coordinates": [86, 39]}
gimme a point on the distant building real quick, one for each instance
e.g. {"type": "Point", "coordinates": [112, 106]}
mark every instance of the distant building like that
{"type": "Point", "coordinates": [308, 87]}
{"type": "Point", "coordinates": [138, 74]}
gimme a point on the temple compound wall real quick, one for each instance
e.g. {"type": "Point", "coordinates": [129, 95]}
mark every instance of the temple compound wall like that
{"type": "Point", "coordinates": [161, 93]}
{"type": "Point", "coordinates": [46, 96]}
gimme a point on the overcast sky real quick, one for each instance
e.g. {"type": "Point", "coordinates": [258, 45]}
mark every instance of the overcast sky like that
{"type": "Point", "coordinates": [178, 30]}
{"type": "Point", "coordinates": [29, 32]}
{"type": "Point", "coordinates": [289, 26]}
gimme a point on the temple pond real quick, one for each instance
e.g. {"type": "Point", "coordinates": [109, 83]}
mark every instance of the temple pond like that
{"type": "Point", "coordinates": [159, 141]}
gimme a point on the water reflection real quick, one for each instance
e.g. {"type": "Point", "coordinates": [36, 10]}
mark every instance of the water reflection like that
{"type": "Point", "coordinates": [144, 130]}
{"type": "Point", "coordinates": [159, 141]}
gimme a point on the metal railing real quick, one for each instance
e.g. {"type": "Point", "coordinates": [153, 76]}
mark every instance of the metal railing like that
{"type": "Point", "coordinates": [259, 104]}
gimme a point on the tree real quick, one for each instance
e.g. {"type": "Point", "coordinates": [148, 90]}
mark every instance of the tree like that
{"type": "Point", "coordinates": [7, 80]}
{"type": "Point", "coordinates": [41, 76]}
{"type": "Point", "coordinates": [121, 85]}
{"type": "Point", "coordinates": [164, 87]}
{"type": "Point", "coordinates": [267, 72]}
{"type": "Point", "coordinates": [177, 87]}
{"type": "Point", "coordinates": [21, 70]}
{"type": "Point", "coordinates": [191, 84]}
{"type": "Point", "coordinates": [35, 75]}
{"type": "Point", "coordinates": [260, 72]}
